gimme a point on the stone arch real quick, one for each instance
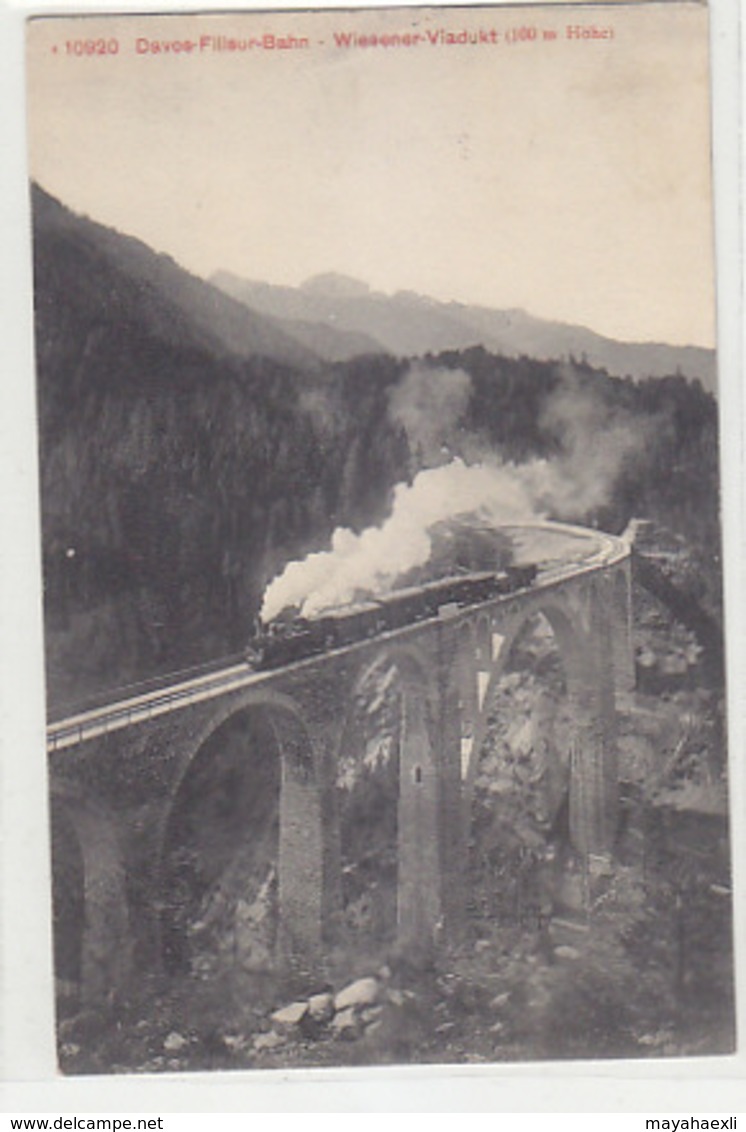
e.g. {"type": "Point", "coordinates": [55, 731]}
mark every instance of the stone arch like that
{"type": "Point", "coordinates": [570, 646]}
{"type": "Point", "coordinates": [241, 840]}
{"type": "Point", "coordinates": [407, 705]}
{"type": "Point", "coordinates": [92, 941]}
{"type": "Point", "coordinates": [584, 632]}
{"type": "Point", "coordinates": [412, 662]}
{"type": "Point", "coordinates": [519, 781]}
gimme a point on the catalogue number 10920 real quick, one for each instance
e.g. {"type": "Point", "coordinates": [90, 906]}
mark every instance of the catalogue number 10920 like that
{"type": "Point", "coordinates": [92, 46]}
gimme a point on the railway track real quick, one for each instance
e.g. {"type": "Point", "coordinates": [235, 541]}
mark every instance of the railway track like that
{"type": "Point", "coordinates": [137, 703]}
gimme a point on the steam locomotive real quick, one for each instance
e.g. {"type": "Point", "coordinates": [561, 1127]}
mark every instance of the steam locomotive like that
{"type": "Point", "coordinates": [291, 638]}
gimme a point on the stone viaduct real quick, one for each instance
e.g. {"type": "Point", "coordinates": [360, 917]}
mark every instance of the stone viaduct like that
{"type": "Point", "coordinates": [117, 773]}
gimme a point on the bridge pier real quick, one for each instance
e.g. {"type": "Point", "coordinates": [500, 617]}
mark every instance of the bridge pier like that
{"type": "Point", "coordinates": [619, 594]}
{"type": "Point", "coordinates": [301, 851]}
{"type": "Point", "coordinates": [453, 832]}
{"type": "Point", "coordinates": [592, 802]}
{"type": "Point", "coordinates": [594, 784]}
{"type": "Point", "coordinates": [418, 887]}
{"type": "Point", "coordinates": [105, 945]}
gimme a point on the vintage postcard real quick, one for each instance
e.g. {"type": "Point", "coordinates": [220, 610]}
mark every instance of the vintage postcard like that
{"type": "Point", "coordinates": [379, 476]}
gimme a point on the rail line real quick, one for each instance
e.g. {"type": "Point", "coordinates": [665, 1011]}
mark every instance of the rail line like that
{"type": "Point", "coordinates": [232, 674]}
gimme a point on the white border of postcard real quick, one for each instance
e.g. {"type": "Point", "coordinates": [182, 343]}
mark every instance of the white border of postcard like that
{"type": "Point", "coordinates": [27, 1058]}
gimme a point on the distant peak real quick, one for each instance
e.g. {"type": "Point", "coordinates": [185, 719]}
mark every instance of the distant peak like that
{"type": "Point", "coordinates": [408, 296]}
{"type": "Point", "coordinates": [330, 283]}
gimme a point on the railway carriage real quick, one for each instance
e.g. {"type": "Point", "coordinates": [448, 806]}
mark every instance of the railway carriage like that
{"type": "Point", "coordinates": [290, 639]}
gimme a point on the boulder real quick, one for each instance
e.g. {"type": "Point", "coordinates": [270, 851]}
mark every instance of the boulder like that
{"type": "Point", "coordinates": [371, 1014]}
{"type": "Point", "coordinates": [290, 1015]}
{"type": "Point", "coordinates": [346, 1025]}
{"type": "Point", "coordinates": [565, 951]}
{"type": "Point", "coordinates": [500, 1000]}
{"type": "Point", "coordinates": [267, 1041]}
{"type": "Point", "coordinates": [321, 1007]}
{"type": "Point", "coordinates": [363, 992]}
{"type": "Point", "coordinates": [174, 1042]}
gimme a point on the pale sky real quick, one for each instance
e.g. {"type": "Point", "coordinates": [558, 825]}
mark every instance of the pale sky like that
{"type": "Point", "coordinates": [568, 177]}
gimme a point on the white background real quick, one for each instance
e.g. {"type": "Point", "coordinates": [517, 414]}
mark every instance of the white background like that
{"type": "Point", "coordinates": [27, 1061]}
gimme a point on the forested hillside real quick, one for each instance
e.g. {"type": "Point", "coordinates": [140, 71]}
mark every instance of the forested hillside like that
{"type": "Point", "coordinates": [182, 463]}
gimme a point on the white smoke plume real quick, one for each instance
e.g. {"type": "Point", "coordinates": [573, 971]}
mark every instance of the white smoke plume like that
{"type": "Point", "coordinates": [430, 404]}
{"type": "Point", "coordinates": [596, 442]}
{"type": "Point", "coordinates": [370, 562]}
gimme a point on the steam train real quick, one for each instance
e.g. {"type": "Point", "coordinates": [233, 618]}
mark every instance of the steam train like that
{"type": "Point", "coordinates": [288, 638]}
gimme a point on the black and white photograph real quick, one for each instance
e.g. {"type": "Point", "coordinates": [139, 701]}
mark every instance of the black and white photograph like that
{"type": "Point", "coordinates": [380, 493]}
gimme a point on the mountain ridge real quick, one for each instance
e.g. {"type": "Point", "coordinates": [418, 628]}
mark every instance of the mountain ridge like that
{"type": "Point", "coordinates": [408, 324]}
{"type": "Point", "coordinates": [177, 307]}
